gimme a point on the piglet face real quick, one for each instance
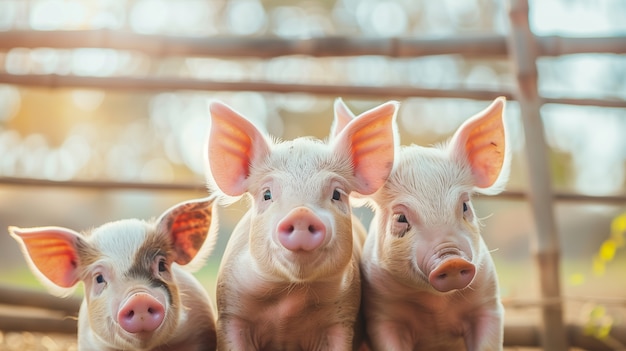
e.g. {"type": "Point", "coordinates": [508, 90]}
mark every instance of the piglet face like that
{"type": "Point", "coordinates": [424, 211]}
{"type": "Point", "coordinates": [132, 298]}
{"type": "Point", "coordinates": [429, 220]}
{"type": "Point", "coordinates": [300, 221]}
{"type": "Point", "coordinates": [129, 287]}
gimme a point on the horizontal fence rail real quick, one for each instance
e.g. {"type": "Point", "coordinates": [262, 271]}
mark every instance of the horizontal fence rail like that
{"type": "Point", "coordinates": [103, 185]}
{"type": "Point", "coordinates": [487, 45]}
{"type": "Point", "coordinates": [377, 92]}
{"type": "Point", "coordinates": [31, 298]}
{"type": "Point", "coordinates": [618, 200]}
{"type": "Point", "coordinates": [174, 83]}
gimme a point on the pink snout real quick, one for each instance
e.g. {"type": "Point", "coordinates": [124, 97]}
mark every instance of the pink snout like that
{"type": "Point", "coordinates": [451, 274]}
{"type": "Point", "coordinates": [301, 230]}
{"type": "Point", "coordinates": [141, 313]}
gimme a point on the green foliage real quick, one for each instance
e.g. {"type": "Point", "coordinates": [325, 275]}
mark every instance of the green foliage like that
{"type": "Point", "coordinates": [599, 322]}
{"type": "Point", "coordinates": [609, 247]}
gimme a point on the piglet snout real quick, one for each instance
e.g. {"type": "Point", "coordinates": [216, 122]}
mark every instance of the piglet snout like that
{"type": "Point", "coordinates": [451, 274]}
{"type": "Point", "coordinates": [141, 313]}
{"type": "Point", "coordinates": [301, 230]}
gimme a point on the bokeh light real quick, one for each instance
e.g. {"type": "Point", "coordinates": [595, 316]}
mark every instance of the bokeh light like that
{"type": "Point", "coordinates": [8, 10]}
{"type": "Point", "coordinates": [177, 120]}
{"type": "Point", "coordinates": [149, 16]}
{"type": "Point", "coordinates": [595, 139]}
{"type": "Point", "coordinates": [94, 62]}
{"type": "Point", "coordinates": [382, 18]}
{"type": "Point", "coordinates": [10, 102]}
{"type": "Point", "coordinates": [57, 14]}
{"type": "Point", "coordinates": [245, 17]}
{"type": "Point", "coordinates": [88, 100]}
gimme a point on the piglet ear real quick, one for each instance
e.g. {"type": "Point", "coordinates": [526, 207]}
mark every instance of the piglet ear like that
{"type": "Point", "coordinates": [234, 143]}
{"type": "Point", "coordinates": [370, 140]}
{"type": "Point", "coordinates": [189, 224]}
{"type": "Point", "coordinates": [342, 117]}
{"type": "Point", "coordinates": [51, 253]}
{"type": "Point", "coordinates": [482, 142]}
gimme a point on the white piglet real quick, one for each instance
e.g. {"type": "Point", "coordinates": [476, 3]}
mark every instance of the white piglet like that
{"type": "Point", "coordinates": [429, 279]}
{"type": "Point", "coordinates": [289, 278]}
{"type": "Point", "coordinates": [137, 295]}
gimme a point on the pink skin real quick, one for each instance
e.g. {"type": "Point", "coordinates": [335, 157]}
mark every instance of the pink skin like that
{"type": "Point", "coordinates": [451, 274]}
{"type": "Point", "coordinates": [302, 230]}
{"type": "Point", "coordinates": [141, 312]}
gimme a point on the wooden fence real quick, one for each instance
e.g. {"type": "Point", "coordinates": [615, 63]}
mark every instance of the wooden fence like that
{"type": "Point", "coordinates": [521, 47]}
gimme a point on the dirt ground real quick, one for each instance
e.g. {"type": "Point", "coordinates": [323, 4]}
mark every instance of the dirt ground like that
{"type": "Point", "coordinates": [25, 341]}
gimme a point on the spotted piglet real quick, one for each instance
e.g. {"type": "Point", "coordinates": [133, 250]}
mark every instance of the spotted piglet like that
{"type": "Point", "coordinates": [289, 278]}
{"type": "Point", "coordinates": [138, 293]}
{"type": "Point", "coordinates": [429, 280]}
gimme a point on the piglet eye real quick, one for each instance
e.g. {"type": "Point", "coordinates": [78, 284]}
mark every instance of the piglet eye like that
{"type": "Point", "coordinates": [100, 279]}
{"type": "Point", "coordinates": [401, 225]}
{"type": "Point", "coordinates": [402, 219]}
{"type": "Point", "coordinates": [267, 195]}
{"type": "Point", "coordinates": [336, 195]}
{"type": "Point", "coordinates": [162, 266]}
{"type": "Point", "coordinates": [467, 212]}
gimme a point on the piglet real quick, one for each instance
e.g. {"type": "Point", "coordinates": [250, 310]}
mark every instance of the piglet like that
{"type": "Point", "coordinates": [429, 280]}
{"type": "Point", "coordinates": [289, 278]}
{"type": "Point", "coordinates": [137, 294]}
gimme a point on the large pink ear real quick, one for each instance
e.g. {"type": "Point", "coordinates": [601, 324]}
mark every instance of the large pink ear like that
{"type": "Point", "coordinates": [188, 225]}
{"type": "Point", "coordinates": [234, 143]}
{"type": "Point", "coordinates": [51, 253]}
{"type": "Point", "coordinates": [343, 116]}
{"type": "Point", "coordinates": [481, 140]}
{"type": "Point", "coordinates": [370, 139]}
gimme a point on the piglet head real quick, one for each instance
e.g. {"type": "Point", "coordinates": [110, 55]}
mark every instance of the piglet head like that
{"type": "Point", "coordinates": [300, 219]}
{"type": "Point", "coordinates": [424, 212]}
{"type": "Point", "coordinates": [131, 293]}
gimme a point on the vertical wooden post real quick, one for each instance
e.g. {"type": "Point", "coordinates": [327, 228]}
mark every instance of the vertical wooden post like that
{"type": "Point", "coordinates": [545, 244]}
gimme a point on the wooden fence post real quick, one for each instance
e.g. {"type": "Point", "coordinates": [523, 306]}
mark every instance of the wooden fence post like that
{"type": "Point", "coordinates": [545, 244]}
